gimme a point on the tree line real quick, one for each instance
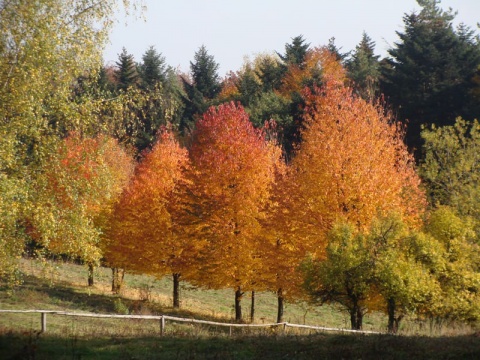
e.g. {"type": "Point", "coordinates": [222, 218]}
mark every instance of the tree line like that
{"type": "Point", "coordinates": [313, 173]}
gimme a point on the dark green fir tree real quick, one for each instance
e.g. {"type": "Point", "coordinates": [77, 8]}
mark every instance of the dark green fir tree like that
{"type": "Point", "coordinates": [363, 69]}
{"type": "Point", "coordinates": [428, 77]}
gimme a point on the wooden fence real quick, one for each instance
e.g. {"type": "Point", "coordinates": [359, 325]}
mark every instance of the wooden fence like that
{"type": "Point", "coordinates": [162, 320]}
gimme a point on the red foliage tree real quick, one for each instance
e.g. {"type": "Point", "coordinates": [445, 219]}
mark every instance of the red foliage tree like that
{"type": "Point", "coordinates": [234, 173]}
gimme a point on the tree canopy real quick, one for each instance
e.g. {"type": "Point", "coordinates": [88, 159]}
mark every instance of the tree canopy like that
{"type": "Point", "coordinates": [429, 75]}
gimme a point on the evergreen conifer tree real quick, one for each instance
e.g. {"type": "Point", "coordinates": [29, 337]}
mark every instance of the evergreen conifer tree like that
{"type": "Point", "coordinates": [334, 49]}
{"type": "Point", "coordinates": [428, 78]}
{"type": "Point", "coordinates": [201, 89]}
{"type": "Point", "coordinates": [270, 73]}
{"type": "Point", "coordinates": [295, 52]}
{"type": "Point", "coordinates": [126, 73]}
{"type": "Point", "coordinates": [364, 68]}
{"type": "Point", "coordinates": [205, 73]}
{"type": "Point", "coordinates": [153, 68]}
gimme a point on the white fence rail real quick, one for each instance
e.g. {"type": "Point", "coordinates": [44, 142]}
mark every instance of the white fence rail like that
{"type": "Point", "coordinates": [163, 318]}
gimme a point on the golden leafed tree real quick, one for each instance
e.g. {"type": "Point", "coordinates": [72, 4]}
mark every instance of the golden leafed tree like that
{"type": "Point", "coordinates": [352, 164]}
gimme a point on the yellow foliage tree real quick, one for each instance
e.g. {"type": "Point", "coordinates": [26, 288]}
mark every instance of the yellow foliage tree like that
{"type": "Point", "coordinates": [76, 194]}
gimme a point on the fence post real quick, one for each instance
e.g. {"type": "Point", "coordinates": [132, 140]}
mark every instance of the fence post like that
{"type": "Point", "coordinates": [162, 325]}
{"type": "Point", "coordinates": [44, 322]}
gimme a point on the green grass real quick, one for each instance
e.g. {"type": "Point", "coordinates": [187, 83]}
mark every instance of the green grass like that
{"type": "Point", "coordinates": [62, 286]}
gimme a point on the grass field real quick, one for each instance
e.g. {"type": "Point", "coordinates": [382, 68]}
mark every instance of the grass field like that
{"type": "Point", "coordinates": [62, 287]}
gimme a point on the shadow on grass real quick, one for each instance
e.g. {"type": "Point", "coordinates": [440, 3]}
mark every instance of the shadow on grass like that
{"type": "Point", "coordinates": [39, 293]}
{"type": "Point", "coordinates": [319, 346]}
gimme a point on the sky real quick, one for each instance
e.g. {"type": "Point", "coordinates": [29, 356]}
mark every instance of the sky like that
{"type": "Point", "coordinates": [232, 30]}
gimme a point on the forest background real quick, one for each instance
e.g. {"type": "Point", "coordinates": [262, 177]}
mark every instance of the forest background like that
{"type": "Point", "coordinates": [315, 173]}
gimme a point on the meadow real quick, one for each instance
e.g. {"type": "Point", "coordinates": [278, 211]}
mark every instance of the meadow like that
{"type": "Point", "coordinates": [61, 286]}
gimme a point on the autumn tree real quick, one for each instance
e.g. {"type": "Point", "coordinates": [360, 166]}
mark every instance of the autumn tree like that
{"type": "Point", "coordinates": [380, 268]}
{"type": "Point", "coordinates": [45, 46]}
{"type": "Point", "coordinates": [282, 253]}
{"type": "Point", "coordinates": [352, 164]}
{"type": "Point", "coordinates": [345, 276]}
{"type": "Point", "coordinates": [451, 166]}
{"type": "Point", "coordinates": [455, 262]}
{"type": "Point", "coordinates": [76, 194]}
{"type": "Point", "coordinates": [146, 233]}
{"type": "Point", "coordinates": [234, 173]}
{"type": "Point", "coordinates": [287, 240]}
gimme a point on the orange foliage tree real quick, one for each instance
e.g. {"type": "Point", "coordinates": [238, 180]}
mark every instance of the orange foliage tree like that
{"type": "Point", "coordinates": [77, 191]}
{"type": "Point", "coordinates": [319, 63]}
{"type": "Point", "coordinates": [145, 234]}
{"type": "Point", "coordinates": [229, 88]}
{"type": "Point", "coordinates": [286, 247]}
{"type": "Point", "coordinates": [352, 165]}
{"type": "Point", "coordinates": [282, 252]}
{"type": "Point", "coordinates": [234, 173]}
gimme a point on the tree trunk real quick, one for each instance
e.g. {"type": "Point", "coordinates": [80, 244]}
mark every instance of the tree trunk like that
{"type": "Point", "coordinates": [353, 319]}
{"type": "Point", "coordinates": [359, 319]}
{"type": "Point", "coordinates": [356, 317]}
{"type": "Point", "coordinates": [176, 290]}
{"type": "Point", "coordinates": [393, 322]}
{"type": "Point", "coordinates": [238, 306]}
{"type": "Point", "coordinates": [391, 315]}
{"type": "Point", "coordinates": [117, 279]}
{"type": "Point", "coordinates": [90, 274]}
{"type": "Point", "coordinates": [252, 308]}
{"type": "Point", "coordinates": [280, 305]}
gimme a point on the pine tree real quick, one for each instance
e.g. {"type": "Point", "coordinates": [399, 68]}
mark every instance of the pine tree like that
{"type": "Point", "coordinates": [295, 52]}
{"type": "Point", "coordinates": [428, 78]}
{"type": "Point", "coordinates": [204, 73]}
{"type": "Point", "coordinates": [248, 86]}
{"type": "Point", "coordinates": [364, 68]}
{"type": "Point", "coordinates": [334, 49]}
{"type": "Point", "coordinates": [270, 72]}
{"type": "Point", "coordinates": [153, 68]}
{"type": "Point", "coordinates": [201, 89]}
{"type": "Point", "coordinates": [126, 73]}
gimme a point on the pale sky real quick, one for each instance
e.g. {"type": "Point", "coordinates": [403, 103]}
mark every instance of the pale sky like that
{"type": "Point", "coordinates": [234, 29]}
